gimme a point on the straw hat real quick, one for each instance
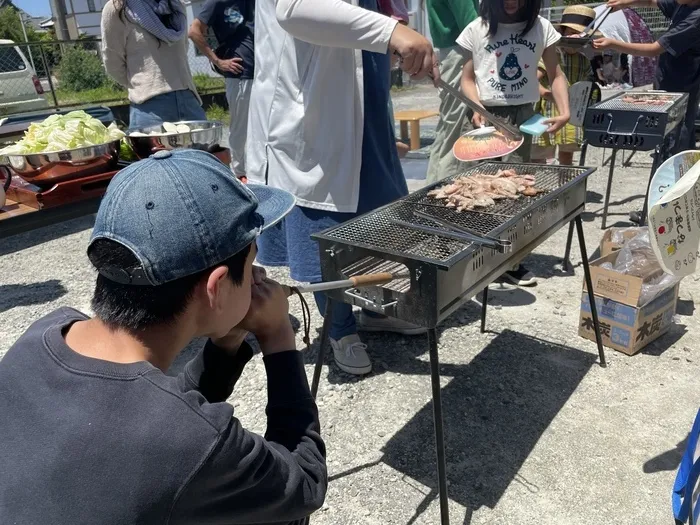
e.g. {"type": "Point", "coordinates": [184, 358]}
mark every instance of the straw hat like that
{"type": "Point", "coordinates": [578, 17]}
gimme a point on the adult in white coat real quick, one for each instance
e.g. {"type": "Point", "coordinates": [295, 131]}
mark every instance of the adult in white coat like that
{"type": "Point", "coordinates": [318, 128]}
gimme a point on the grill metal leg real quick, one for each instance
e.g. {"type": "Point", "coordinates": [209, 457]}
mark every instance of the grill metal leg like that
{"type": "Point", "coordinates": [609, 188]}
{"type": "Point", "coordinates": [589, 286]}
{"type": "Point", "coordinates": [439, 434]}
{"type": "Point", "coordinates": [484, 303]}
{"type": "Point", "coordinates": [654, 166]}
{"type": "Point", "coordinates": [584, 150]}
{"type": "Point", "coordinates": [323, 345]}
{"type": "Point", "coordinates": [566, 263]}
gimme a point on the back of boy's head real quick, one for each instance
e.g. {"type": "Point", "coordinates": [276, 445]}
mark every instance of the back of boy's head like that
{"type": "Point", "coordinates": [136, 308]}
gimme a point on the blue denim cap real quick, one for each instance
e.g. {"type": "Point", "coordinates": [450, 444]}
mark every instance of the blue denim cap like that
{"type": "Point", "coordinates": [182, 212]}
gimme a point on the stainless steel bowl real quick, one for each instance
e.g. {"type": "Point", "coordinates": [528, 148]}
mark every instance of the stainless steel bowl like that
{"type": "Point", "coordinates": [207, 137]}
{"type": "Point", "coordinates": [49, 168]}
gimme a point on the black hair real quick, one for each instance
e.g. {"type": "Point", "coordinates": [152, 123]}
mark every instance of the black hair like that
{"type": "Point", "coordinates": [135, 307]}
{"type": "Point", "coordinates": [493, 13]}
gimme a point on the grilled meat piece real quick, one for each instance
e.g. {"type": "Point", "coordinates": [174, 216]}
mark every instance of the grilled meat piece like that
{"type": "Point", "coordinates": [481, 190]}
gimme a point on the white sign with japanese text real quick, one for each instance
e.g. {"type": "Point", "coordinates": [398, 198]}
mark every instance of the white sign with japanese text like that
{"type": "Point", "coordinates": [674, 217]}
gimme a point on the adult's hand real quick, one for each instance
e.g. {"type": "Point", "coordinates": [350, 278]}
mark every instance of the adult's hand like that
{"type": "Point", "coordinates": [232, 65]}
{"type": "Point", "coordinates": [616, 5]}
{"type": "Point", "coordinates": [268, 316]}
{"type": "Point", "coordinates": [418, 57]}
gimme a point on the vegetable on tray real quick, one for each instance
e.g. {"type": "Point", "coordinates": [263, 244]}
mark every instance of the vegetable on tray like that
{"type": "Point", "coordinates": [169, 128]}
{"type": "Point", "coordinates": [56, 133]}
{"type": "Point", "coordinates": [126, 153]}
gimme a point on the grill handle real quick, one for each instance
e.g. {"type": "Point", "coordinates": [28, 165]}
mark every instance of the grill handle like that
{"type": "Point", "coordinates": [623, 133]}
{"type": "Point", "coordinates": [372, 279]}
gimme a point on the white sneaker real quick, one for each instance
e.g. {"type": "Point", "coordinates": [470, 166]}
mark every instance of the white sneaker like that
{"type": "Point", "coordinates": [388, 324]}
{"type": "Point", "coordinates": [351, 355]}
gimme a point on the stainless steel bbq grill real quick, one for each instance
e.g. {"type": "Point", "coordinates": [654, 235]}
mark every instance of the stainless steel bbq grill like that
{"type": "Point", "coordinates": [440, 273]}
{"type": "Point", "coordinates": [634, 121]}
{"type": "Point", "coordinates": [445, 272]}
{"type": "Point", "coordinates": [640, 125]}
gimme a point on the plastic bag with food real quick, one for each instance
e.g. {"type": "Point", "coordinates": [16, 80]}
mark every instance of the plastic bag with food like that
{"type": "Point", "coordinates": [619, 236]}
{"type": "Point", "coordinates": [637, 257]}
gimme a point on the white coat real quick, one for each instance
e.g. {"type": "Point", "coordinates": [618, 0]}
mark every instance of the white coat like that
{"type": "Point", "coordinates": [305, 123]}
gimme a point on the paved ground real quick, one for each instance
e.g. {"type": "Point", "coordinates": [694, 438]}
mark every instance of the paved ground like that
{"type": "Point", "coordinates": [537, 432]}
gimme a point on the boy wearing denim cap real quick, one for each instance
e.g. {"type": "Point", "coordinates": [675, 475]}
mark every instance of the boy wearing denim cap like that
{"type": "Point", "coordinates": [94, 431]}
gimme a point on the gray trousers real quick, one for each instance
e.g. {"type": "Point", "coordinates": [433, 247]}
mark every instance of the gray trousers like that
{"type": "Point", "coordinates": [453, 121]}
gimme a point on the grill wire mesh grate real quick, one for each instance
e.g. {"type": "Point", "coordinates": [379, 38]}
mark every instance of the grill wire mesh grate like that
{"type": "Point", "coordinates": [617, 103]}
{"type": "Point", "coordinates": [376, 230]}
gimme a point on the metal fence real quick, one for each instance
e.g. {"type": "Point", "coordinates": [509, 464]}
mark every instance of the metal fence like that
{"type": "Point", "coordinates": [653, 17]}
{"type": "Point", "coordinates": [61, 74]}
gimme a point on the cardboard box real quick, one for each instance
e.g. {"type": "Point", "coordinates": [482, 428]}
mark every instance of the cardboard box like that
{"type": "Point", "coordinates": [624, 325]}
{"type": "Point", "coordinates": [607, 246]}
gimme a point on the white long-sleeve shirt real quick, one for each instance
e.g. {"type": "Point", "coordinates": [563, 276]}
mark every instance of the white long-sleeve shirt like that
{"type": "Point", "coordinates": [306, 118]}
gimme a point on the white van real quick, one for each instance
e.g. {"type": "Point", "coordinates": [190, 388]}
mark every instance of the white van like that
{"type": "Point", "coordinates": [20, 88]}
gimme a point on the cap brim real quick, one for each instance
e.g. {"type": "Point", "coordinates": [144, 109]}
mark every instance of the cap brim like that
{"type": "Point", "coordinates": [273, 204]}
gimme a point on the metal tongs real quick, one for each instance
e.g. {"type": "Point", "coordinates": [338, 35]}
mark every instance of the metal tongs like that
{"type": "Point", "coordinates": [456, 232]}
{"type": "Point", "coordinates": [584, 39]}
{"type": "Point", "coordinates": [504, 127]}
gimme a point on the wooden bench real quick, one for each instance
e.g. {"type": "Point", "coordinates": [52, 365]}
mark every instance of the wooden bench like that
{"type": "Point", "coordinates": [413, 117]}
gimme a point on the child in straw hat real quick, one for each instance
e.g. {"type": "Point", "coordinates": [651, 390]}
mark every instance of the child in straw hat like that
{"type": "Point", "coordinates": [577, 68]}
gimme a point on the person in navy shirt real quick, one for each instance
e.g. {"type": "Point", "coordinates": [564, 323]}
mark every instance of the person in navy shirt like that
{"type": "Point", "coordinates": [678, 50]}
{"type": "Point", "coordinates": [233, 24]}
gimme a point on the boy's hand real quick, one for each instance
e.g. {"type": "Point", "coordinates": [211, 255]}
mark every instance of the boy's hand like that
{"type": "Point", "coordinates": [232, 341]}
{"type": "Point", "coordinates": [417, 55]}
{"type": "Point", "coordinates": [604, 43]}
{"type": "Point", "coordinates": [268, 316]}
{"type": "Point", "coordinates": [556, 123]}
{"type": "Point", "coordinates": [547, 95]}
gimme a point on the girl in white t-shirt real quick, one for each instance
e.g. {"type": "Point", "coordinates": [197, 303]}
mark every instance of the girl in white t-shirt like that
{"type": "Point", "coordinates": [504, 46]}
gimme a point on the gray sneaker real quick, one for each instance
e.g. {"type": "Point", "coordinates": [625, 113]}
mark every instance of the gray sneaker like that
{"type": "Point", "coordinates": [388, 324]}
{"type": "Point", "coordinates": [351, 355]}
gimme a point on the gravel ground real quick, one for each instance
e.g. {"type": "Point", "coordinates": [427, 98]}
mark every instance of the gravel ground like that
{"type": "Point", "coordinates": [537, 432]}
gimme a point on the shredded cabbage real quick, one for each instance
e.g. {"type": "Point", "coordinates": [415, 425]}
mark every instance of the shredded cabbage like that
{"type": "Point", "coordinates": [73, 130]}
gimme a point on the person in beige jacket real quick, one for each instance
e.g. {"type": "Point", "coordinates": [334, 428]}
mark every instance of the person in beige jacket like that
{"type": "Point", "coordinates": [144, 48]}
